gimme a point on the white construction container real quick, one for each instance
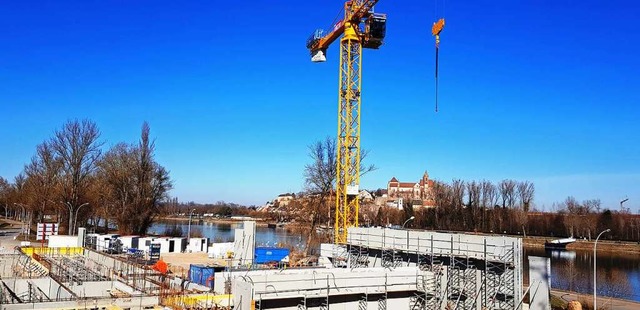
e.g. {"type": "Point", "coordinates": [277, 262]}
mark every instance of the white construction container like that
{"type": "Point", "coordinates": [164, 244]}
{"type": "Point", "coordinates": [177, 245]}
{"type": "Point", "coordinates": [104, 241]}
{"type": "Point", "coordinates": [144, 243]}
{"type": "Point", "coordinates": [129, 242]}
{"type": "Point", "coordinates": [198, 245]}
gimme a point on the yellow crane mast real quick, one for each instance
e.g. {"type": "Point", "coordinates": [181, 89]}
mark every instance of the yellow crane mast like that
{"type": "Point", "coordinates": [360, 28]}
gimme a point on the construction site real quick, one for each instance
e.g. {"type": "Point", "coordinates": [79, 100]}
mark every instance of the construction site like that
{"type": "Point", "coordinates": [378, 268]}
{"type": "Point", "coordinates": [364, 268]}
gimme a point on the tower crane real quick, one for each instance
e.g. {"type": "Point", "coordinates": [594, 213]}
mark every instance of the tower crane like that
{"type": "Point", "coordinates": [360, 28]}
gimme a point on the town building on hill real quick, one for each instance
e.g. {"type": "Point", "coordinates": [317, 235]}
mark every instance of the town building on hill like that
{"type": "Point", "coordinates": [419, 193]}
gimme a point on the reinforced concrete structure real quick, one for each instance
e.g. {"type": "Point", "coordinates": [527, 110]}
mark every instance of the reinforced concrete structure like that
{"type": "Point", "coordinates": [382, 268]}
{"type": "Point", "coordinates": [470, 271]}
{"type": "Point", "coordinates": [378, 268]}
{"type": "Point", "coordinates": [74, 278]}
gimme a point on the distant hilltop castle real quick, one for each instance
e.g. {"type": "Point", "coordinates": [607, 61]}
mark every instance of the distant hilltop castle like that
{"type": "Point", "coordinates": [420, 193]}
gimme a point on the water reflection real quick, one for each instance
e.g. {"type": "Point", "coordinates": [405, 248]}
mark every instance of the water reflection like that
{"type": "Point", "coordinates": [224, 232]}
{"type": "Point", "coordinates": [617, 274]}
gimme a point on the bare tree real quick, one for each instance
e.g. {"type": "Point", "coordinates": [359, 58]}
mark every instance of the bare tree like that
{"type": "Point", "coordinates": [43, 180]}
{"type": "Point", "coordinates": [320, 175]}
{"type": "Point", "coordinates": [525, 191]}
{"type": "Point", "coordinates": [489, 196]}
{"type": "Point", "coordinates": [572, 220]}
{"type": "Point", "coordinates": [507, 193]}
{"type": "Point", "coordinates": [18, 192]}
{"type": "Point", "coordinates": [474, 192]}
{"type": "Point", "coordinates": [320, 178]}
{"type": "Point", "coordinates": [77, 147]}
{"type": "Point", "coordinates": [5, 192]}
{"type": "Point", "coordinates": [457, 190]}
{"type": "Point", "coordinates": [589, 220]}
{"type": "Point", "coordinates": [137, 184]}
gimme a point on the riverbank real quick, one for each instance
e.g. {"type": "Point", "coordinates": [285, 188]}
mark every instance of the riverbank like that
{"type": "Point", "coordinates": [585, 245]}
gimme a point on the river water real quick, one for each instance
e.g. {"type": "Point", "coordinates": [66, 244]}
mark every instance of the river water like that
{"type": "Point", "coordinates": [224, 232]}
{"type": "Point", "coordinates": [618, 274]}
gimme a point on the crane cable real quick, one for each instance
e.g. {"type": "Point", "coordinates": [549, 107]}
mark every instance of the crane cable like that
{"type": "Point", "coordinates": [435, 30]}
{"type": "Point", "coordinates": [437, 49]}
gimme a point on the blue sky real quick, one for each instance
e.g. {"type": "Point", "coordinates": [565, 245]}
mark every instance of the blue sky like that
{"type": "Point", "coordinates": [545, 91]}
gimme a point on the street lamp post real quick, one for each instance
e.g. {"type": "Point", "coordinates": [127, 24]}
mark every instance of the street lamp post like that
{"type": "Point", "coordinates": [68, 204]}
{"type": "Point", "coordinates": [75, 220]}
{"type": "Point", "coordinates": [405, 223]}
{"type": "Point", "coordinates": [21, 216]}
{"type": "Point", "coordinates": [622, 202]}
{"type": "Point", "coordinates": [595, 245]}
{"type": "Point", "coordinates": [189, 229]}
{"type": "Point", "coordinates": [409, 219]}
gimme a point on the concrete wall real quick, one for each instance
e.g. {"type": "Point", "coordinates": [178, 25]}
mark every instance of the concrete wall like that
{"type": "Point", "coordinates": [48, 286]}
{"type": "Point", "coordinates": [476, 246]}
{"type": "Point", "coordinates": [244, 244]}
{"type": "Point", "coordinates": [341, 288]}
{"type": "Point", "coordinates": [92, 289]}
{"type": "Point", "coordinates": [63, 241]}
{"type": "Point", "coordinates": [219, 250]}
{"type": "Point", "coordinates": [116, 265]}
{"type": "Point", "coordinates": [136, 303]}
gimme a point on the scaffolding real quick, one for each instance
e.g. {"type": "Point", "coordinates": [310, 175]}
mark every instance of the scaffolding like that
{"type": "Point", "coordinates": [363, 288]}
{"type": "Point", "coordinates": [358, 257]}
{"type": "Point", "coordinates": [467, 271]}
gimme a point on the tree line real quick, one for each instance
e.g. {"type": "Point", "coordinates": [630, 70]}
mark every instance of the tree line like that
{"type": "Point", "coordinates": [505, 207]}
{"type": "Point", "coordinates": [220, 209]}
{"type": "Point", "coordinates": [71, 179]}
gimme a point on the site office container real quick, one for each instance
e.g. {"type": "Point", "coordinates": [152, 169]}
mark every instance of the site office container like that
{"type": "Point", "coordinates": [198, 245]}
{"type": "Point", "coordinates": [265, 255]}
{"type": "Point", "coordinates": [129, 242]}
{"type": "Point", "coordinates": [105, 242]}
{"type": "Point", "coordinates": [177, 244]}
{"type": "Point", "coordinates": [144, 243]}
{"type": "Point", "coordinates": [171, 244]}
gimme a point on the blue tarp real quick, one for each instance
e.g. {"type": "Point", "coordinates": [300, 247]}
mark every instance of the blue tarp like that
{"type": "Point", "coordinates": [203, 275]}
{"type": "Point", "coordinates": [270, 255]}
